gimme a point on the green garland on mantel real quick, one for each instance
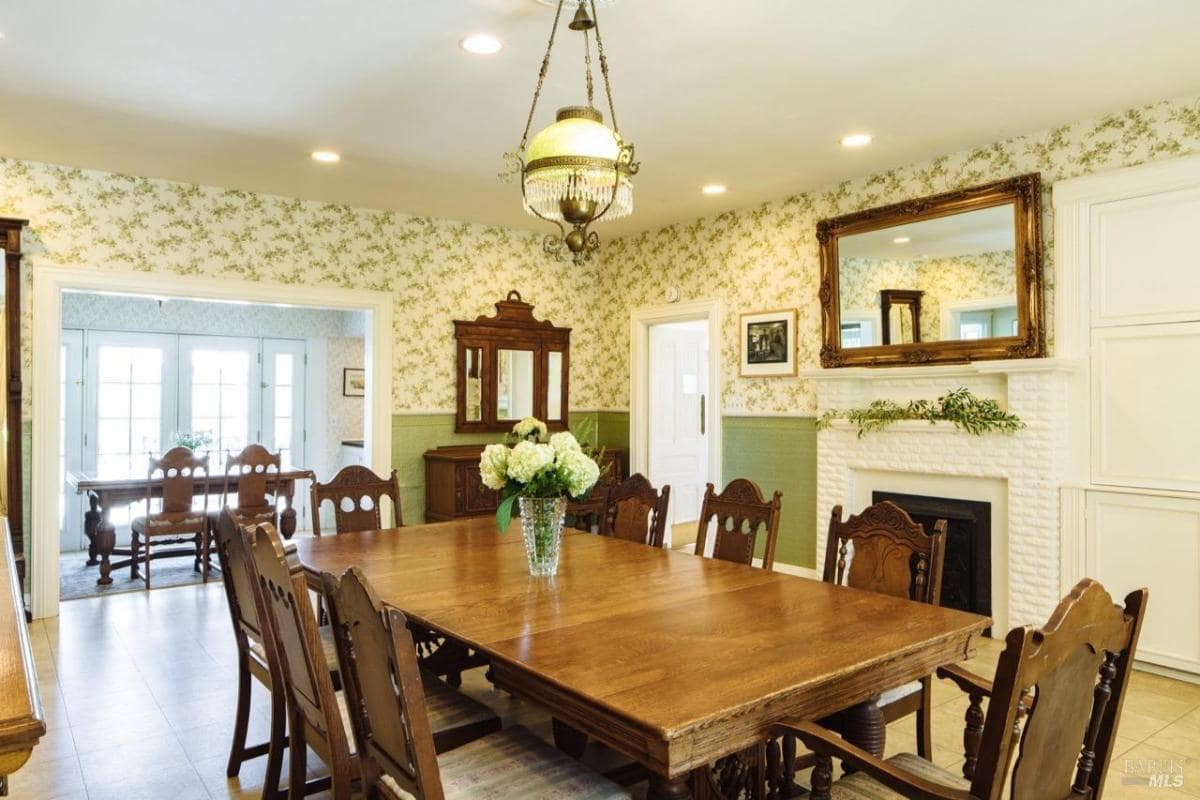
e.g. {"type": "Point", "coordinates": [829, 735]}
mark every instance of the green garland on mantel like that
{"type": "Point", "coordinates": [969, 413]}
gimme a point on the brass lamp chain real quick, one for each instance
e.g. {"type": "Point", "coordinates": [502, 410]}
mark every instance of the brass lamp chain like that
{"type": "Point", "coordinates": [587, 65]}
{"type": "Point", "coordinates": [545, 70]}
{"type": "Point", "coordinates": [612, 110]}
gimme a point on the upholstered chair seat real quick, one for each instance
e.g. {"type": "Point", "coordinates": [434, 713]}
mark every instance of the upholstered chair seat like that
{"type": "Point", "coordinates": [515, 763]}
{"type": "Point", "coordinates": [860, 786]}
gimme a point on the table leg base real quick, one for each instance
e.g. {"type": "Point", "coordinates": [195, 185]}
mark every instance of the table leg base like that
{"type": "Point", "coordinates": [669, 788]}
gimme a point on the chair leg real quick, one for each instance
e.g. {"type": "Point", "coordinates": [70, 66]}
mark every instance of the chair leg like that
{"type": "Point", "coordinates": [237, 750]}
{"type": "Point", "coordinates": [924, 721]}
{"type": "Point", "coordinates": [297, 758]}
{"type": "Point", "coordinates": [205, 539]}
{"type": "Point", "coordinates": [822, 778]}
{"type": "Point", "coordinates": [146, 551]}
{"type": "Point", "coordinates": [276, 745]}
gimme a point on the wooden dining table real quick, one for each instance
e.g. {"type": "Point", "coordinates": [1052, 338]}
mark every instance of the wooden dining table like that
{"type": "Point", "coordinates": [671, 659]}
{"type": "Point", "coordinates": [105, 494]}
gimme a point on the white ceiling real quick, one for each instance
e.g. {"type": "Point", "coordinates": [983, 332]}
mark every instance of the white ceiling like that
{"type": "Point", "coordinates": [751, 93]}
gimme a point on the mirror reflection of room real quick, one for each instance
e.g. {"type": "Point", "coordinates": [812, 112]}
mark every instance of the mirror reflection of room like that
{"type": "Point", "coordinates": [963, 266]}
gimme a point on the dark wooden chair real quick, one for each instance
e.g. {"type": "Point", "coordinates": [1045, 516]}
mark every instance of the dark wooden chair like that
{"type": "Point", "coordinates": [252, 500]}
{"type": "Point", "coordinates": [390, 721]}
{"type": "Point", "coordinates": [184, 475]}
{"type": "Point", "coordinates": [635, 511]}
{"type": "Point", "coordinates": [741, 514]}
{"type": "Point", "coordinates": [356, 493]}
{"type": "Point", "coordinates": [884, 550]}
{"type": "Point", "coordinates": [318, 717]}
{"type": "Point", "coordinates": [1051, 721]}
{"type": "Point", "coordinates": [240, 594]}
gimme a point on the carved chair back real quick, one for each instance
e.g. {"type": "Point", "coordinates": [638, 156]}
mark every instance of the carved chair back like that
{"type": "Point", "coordinates": [382, 682]}
{"type": "Point", "coordinates": [741, 514]}
{"type": "Point", "coordinates": [237, 571]}
{"type": "Point", "coordinates": [292, 625]}
{"type": "Point", "coordinates": [1057, 698]}
{"type": "Point", "coordinates": [884, 550]}
{"type": "Point", "coordinates": [635, 511]}
{"type": "Point", "coordinates": [183, 475]}
{"type": "Point", "coordinates": [252, 468]}
{"type": "Point", "coordinates": [356, 493]}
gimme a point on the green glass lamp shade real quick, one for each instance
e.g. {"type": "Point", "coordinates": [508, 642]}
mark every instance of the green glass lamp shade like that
{"type": "Point", "coordinates": [577, 158]}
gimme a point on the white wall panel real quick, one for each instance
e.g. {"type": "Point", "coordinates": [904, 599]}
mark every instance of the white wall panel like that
{"type": "Point", "coordinates": [1134, 541]}
{"type": "Point", "coordinates": [1145, 387]}
{"type": "Point", "coordinates": [1146, 265]}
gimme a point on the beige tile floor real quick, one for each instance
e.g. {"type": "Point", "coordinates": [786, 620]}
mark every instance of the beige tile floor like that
{"type": "Point", "coordinates": [138, 690]}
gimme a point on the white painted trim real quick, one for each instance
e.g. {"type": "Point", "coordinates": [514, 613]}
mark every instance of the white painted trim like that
{"type": "Point", "coordinates": [769, 415]}
{"type": "Point", "coordinates": [640, 321]}
{"type": "Point", "coordinates": [948, 311]}
{"type": "Point", "coordinates": [973, 369]}
{"type": "Point", "coordinates": [48, 286]}
{"type": "Point", "coordinates": [1119, 184]}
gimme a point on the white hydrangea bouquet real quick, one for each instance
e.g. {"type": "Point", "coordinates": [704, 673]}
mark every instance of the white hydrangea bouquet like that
{"type": "Point", "coordinates": [540, 471]}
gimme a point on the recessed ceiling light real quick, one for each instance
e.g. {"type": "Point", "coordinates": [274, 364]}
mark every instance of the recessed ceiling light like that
{"type": "Point", "coordinates": [326, 156]}
{"type": "Point", "coordinates": [901, 240]}
{"type": "Point", "coordinates": [714, 188]}
{"type": "Point", "coordinates": [856, 140]}
{"type": "Point", "coordinates": [482, 44]}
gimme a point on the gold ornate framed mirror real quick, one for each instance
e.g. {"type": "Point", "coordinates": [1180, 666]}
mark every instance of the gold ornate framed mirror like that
{"type": "Point", "coordinates": [950, 278]}
{"type": "Point", "coordinates": [511, 366]}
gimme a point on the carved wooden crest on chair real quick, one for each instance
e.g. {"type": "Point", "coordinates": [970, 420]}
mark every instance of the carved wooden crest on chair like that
{"type": "Point", "coordinates": [356, 493]}
{"type": "Point", "coordinates": [742, 514]}
{"type": "Point", "coordinates": [254, 467]}
{"type": "Point", "coordinates": [884, 550]}
{"type": "Point", "coordinates": [635, 511]}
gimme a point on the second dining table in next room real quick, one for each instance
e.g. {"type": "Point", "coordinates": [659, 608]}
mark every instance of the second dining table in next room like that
{"type": "Point", "coordinates": [671, 659]}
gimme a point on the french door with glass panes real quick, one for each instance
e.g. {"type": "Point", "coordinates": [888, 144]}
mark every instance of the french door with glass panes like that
{"type": "Point", "coordinates": [220, 386]}
{"type": "Point", "coordinates": [144, 389]}
{"type": "Point", "coordinates": [130, 403]}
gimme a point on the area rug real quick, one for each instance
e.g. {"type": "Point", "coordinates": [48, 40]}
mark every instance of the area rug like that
{"type": "Point", "coordinates": [77, 580]}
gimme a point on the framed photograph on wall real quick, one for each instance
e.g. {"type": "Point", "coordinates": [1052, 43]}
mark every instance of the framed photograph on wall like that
{"type": "Point", "coordinates": [354, 382]}
{"type": "Point", "coordinates": [768, 343]}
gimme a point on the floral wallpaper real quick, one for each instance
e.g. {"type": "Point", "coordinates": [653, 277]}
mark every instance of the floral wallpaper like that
{"type": "Point", "coordinates": [943, 280]}
{"type": "Point", "coordinates": [763, 257]}
{"type": "Point", "coordinates": [766, 257]}
{"type": "Point", "coordinates": [436, 270]}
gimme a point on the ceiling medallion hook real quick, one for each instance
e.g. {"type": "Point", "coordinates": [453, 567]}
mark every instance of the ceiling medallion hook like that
{"type": "Point", "coordinates": [578, 170]}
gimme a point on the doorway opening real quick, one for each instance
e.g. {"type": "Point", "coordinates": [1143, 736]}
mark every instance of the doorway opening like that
{"type": "Point", "coordinates": [675, 418]}
{"type": "Point", "coordinates": [140, 375]}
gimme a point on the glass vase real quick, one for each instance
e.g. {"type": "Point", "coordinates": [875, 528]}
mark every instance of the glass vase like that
{"type": "Point", "coordinates": [542, 524]}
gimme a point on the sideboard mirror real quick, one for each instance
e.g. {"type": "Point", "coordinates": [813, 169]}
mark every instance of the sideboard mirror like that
{"type": "Point", "coordinates": [949, 278]}
{"type": "Point", "coordinates": [511, 366]}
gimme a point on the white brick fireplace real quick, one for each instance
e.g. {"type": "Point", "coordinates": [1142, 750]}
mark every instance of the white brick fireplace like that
{"type": "Point", "coordinates": [1019, 474]}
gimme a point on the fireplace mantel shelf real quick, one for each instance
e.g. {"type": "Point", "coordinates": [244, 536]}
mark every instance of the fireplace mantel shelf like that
{"type": "Point", "coordinates": [972, 369]}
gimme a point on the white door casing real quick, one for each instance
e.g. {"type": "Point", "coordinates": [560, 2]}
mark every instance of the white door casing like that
{"type": "Point", "coordinates": [679, 393]}
{"type": "Point", "coordinates": [641, 321]}
{"type": "Point", "coordinates": [70, 452]}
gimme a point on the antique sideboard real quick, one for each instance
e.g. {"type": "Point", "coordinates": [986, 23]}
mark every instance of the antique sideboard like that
{"type": "Point", "coordinates": [454, 488]}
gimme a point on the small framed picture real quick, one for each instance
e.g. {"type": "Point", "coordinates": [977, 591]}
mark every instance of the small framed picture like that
{"type": "Point", "coordinates": [354, 382]}
{"type": "Point", "coordinates": [769, 343]}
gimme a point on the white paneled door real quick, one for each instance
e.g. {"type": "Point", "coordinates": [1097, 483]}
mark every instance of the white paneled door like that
{"type": "Point", "coordinates": [679, 392]}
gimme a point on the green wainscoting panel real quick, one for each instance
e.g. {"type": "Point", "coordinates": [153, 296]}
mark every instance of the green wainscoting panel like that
{"type": "Point", "coordinates": [779, 454]}
{"type": "Point", "coordinates": [413, 434]}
